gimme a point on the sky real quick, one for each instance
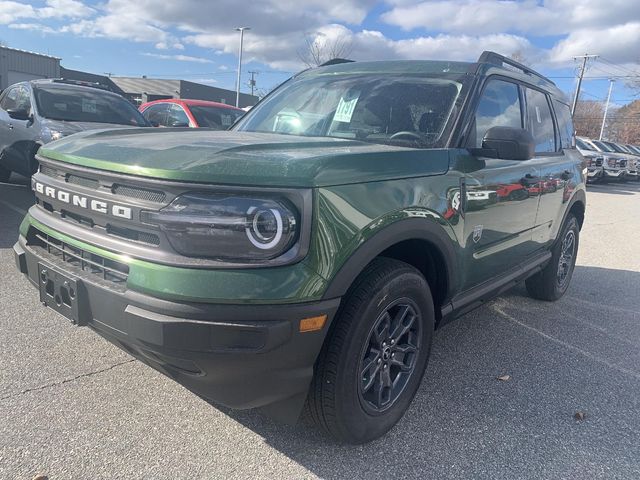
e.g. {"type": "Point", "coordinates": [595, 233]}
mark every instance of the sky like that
{"type": "Point", "coordinates": [196, 39]}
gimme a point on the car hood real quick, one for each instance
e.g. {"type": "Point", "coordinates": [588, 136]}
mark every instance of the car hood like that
{"type": "Point", "coordinates": [69, 128]}
{"type": "Point", "coordinates": [244, 158]}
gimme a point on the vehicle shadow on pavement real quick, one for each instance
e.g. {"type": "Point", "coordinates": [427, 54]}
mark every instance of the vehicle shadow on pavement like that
{"type": "Point", "coordinates": [15, 199]}
{"type": "Point", "coordinates": [577, 355]}
{"type": "Point", "coordinates": [616, 188]}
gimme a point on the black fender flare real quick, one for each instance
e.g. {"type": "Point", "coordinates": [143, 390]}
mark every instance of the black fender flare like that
{"type": "Point", "coordinates": [399, 231]}
{"type": "Point", "coordinates": [579, 196]}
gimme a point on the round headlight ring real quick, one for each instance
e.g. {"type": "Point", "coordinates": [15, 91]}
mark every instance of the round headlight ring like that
{"type": "Point", "coordinates": [254, 235]}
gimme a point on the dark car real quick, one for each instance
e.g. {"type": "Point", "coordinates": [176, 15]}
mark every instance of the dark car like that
{"type": "Point", "coordinates": [36, 112]}
{"type": "Point", "coordinates": [190, 113]}
{"type": "Point", "coordinates": [309, 253]}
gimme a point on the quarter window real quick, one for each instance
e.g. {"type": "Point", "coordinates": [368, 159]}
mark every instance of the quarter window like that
{"type": "Point", "coordinates": [565, 124]}
{"type": "Point", "coordinates": [177, 117]}
{"type": "Point", "coordinates": [540, 121]}
{"type": "Point", "coordinates": [157, 114]}
{"type": "Point", "coordinates": [499, 107]}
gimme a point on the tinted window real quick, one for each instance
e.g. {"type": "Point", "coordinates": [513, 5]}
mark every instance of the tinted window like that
{"type": "Point", "coordinates": [215, 117]}
{"type": "Point", "coordinates": [85, 105]}
{"type": "Point", "coordinates": [540, 121]}
{"type": "Point", "coordinates": [565, 124]}
{"type": "Point", "coordinates": [157, 114]}
{"type": "Point", "coordinates": [583, 145]}
{"type": "Point", "coordinates": [499, 107]}
{"type": "Point", "coordinates": [613, 147]}
{"type": "Point", "coordinates": [603, 147]}
{"type": "Point", "coordinates": [177, 117]}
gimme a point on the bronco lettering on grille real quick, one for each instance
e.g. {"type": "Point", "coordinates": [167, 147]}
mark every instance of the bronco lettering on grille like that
{"type": "Point", "coordinates": [82, 201]}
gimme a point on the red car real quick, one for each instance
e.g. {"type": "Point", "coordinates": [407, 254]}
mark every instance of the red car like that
{"type": "Point", "coordinates": [172, 112]}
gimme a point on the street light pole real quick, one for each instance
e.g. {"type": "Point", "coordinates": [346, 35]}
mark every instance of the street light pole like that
{"type": "Point", "coordinates": [241, 30]}
{"type": "Point", "coordinates": [606, 108]}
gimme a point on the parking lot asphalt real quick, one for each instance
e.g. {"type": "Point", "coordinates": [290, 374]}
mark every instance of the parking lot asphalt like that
{"type": "Point", "coordinates": [74, 407]}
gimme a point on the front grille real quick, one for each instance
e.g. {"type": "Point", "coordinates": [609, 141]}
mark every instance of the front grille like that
{"type": "Point", "coordinates": [48, 171]}
{"type": "Point", "coordinates": [599, 162]}
{"type": "Point", "coordinates": [111, 271]}
{"type": "Point", "coordinates": [83, 181]}
{"type": "Point", "coordinates": [134, 235]}
{"type": "Point", "coordinates": [139, 193]}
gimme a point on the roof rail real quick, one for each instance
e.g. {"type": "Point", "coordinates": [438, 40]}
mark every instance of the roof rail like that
{"type": "Point", "coordinates": [82, 83]}
{"type": "Point", "coordinates": [336, 61]}
{"type": "Point", "coordinates": [497, 59]}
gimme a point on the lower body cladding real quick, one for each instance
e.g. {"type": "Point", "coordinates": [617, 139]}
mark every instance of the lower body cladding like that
{"type": "Point", "coordinates": [238, 356]}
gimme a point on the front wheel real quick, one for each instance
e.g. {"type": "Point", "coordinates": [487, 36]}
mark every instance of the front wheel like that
{"type": "Point", "coordinates": [552, 282]}
{"type": "Point", "coordinates": [373, 361]}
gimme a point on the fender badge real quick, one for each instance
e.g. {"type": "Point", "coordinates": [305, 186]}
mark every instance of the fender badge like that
{"type": "Point", "coordinates": [477, 233]}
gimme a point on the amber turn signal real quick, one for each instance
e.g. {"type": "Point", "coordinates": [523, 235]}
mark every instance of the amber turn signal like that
{"type": "Point", "coordinates": [312, 324]}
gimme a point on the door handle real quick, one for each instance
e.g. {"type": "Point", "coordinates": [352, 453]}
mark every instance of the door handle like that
{"type": "Point", "coordinates": [10, 125]}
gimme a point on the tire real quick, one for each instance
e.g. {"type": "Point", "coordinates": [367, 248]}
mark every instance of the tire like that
{"type": "Point", "coordinates": [552, 282]}
{"type": "Point", "coordinates": [347, 400]}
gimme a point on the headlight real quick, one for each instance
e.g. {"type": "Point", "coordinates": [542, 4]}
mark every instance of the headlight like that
{"type": "Point", "coordinates": [227, 227]}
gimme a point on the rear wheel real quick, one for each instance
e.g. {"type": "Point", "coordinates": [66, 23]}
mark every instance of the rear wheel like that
{"type": "Point", "coordinates": [373, 361]}
{"type": "Point", "coordinates": [552, 282]}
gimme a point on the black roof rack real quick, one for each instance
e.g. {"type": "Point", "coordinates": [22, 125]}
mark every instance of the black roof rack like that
{"type": "Point", "coordinates": [336, 61]}
{"type": "Point", "coordinates": [82, 83]}
{"type": "Point", "coordinates": [500, 60]}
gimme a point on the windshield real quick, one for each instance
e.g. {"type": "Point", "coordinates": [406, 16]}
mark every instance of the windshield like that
{"type": "Point", "coordinates": [603, 147]}
{"type": "Point", "coordinates": [219, 118]}
{"type": "Point", "coordinates": [86, 105]}
{"type": "Point", "coordinates": [583, 145]}
{"type": "Point", "coordinates": [614, 147]}
{"type": "Point", "coordinates": [398, 109]}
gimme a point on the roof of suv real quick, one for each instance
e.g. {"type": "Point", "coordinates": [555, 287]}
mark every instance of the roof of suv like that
{"type": "Point", "coordinates": [489, 63]}
{"type": "Point", "coordinates": [61, 82]}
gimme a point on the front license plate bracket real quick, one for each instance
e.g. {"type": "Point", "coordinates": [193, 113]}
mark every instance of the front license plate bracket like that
{"type": "Point", "coordinates": [62, 293]}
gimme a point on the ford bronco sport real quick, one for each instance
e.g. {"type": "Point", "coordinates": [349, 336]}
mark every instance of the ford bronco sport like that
{"type": "Point", "coordinates": [308, 254]}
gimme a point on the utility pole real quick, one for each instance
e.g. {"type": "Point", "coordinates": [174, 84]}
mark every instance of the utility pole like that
{"type": "Point", "coordinates": [584, 57]}
{"type": "Point", "coordinates": [252, 82]}
{"type": "Point", "coordinates": [241, 30]}
{"type": "Point", "coordinates": [606, 107]}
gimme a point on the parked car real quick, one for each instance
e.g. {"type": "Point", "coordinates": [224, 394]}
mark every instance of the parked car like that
{"type": "Point", "coordinates": [614, 165]}
{"type": "Point", "coordinates": [36, 112]}
{"type": "Point", "coordinates": [190, 113]}
{"type": "Point", "coordinates": [593, 157]}
{"type": "Point", "coordinates": [631, 167]}
{"type": "Point", "coordinates": [309, 254]}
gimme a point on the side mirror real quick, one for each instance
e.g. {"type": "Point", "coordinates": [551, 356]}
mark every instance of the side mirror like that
{"type": "Point", "coordinates": [19, 114]}
{"type": "Point", "coordinates": [509, 143]}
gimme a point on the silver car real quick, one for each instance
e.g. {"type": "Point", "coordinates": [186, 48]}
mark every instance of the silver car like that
{"type": "Point", "coordinates": [36, 112]}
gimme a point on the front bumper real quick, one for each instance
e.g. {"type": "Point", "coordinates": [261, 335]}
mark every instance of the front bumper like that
{"type": "Point", "coordinates": [594, 172]}
{"type": "Point", "coordinates": [239, 356]}
{"type": "Point", "coordinates": [615, 173]}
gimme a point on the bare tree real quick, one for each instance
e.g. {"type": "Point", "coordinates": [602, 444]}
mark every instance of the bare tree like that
{"type": "Point", "coordinates": [624, 125]}
{"type": "Point", "coordinates": [588, 118]}
{"type": "Point", "coordinates": [319, 49]}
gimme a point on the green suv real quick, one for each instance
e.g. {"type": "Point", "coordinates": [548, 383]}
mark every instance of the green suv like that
{"type": "Point", "coordinates": [307, 255]}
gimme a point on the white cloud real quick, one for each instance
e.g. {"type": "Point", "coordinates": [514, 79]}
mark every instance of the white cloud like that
{"type": "Point", "coordinates": [12, 11]}
{"type": "Point", "coordinates": [64, 9]}
{"type": "Point", "coordinates": [180, 58]}
{"type": "Point", "coordinates": [617, 44]}
{"type": "Point", "coordinates": [34, 27]}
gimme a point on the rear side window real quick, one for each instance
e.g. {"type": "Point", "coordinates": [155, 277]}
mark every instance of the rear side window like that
{"type": "Point", "coordinates": [565, 124]}
{"type": "Point", "coordinates": [499, 107]}
{"type": "Point", "coordinates": [540, 121]}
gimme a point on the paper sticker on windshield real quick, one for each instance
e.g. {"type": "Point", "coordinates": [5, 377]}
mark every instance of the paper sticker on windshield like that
{"type": "Point", "coordinates": [226, 120]}
{"type": "Point", "coordinates": [88, 106]}
{"type": "Point", "coordinates": [538, 114]}
{"type": "Point", "coordinates": [345, 109]}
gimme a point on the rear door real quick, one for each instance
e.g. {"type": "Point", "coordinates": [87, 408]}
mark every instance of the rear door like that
{"type": "Point", "coordinates": [500, 209]}
{"type": "Point", "coordinates": [555, 158]}
{"type": "Point", "coordinates": [18, 137]}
